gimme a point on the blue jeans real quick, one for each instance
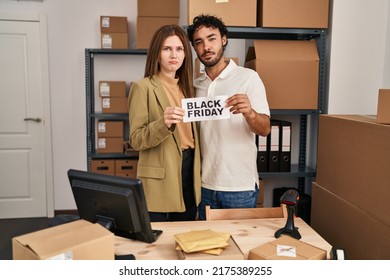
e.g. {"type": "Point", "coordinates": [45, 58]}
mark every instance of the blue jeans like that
{"type": "Point", "coordinates": [221, 199]}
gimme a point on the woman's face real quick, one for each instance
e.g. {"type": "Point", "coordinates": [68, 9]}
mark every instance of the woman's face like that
{"type": "Point", "coordinates": [172, 55]}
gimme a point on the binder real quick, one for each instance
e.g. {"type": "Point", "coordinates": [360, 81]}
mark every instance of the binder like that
{"type": "Point", "coordinates": [262, 153]}
{"type": "Point", "coordinates": [274, 149]}
{"type": "Point", "coordinates": [285, 146]}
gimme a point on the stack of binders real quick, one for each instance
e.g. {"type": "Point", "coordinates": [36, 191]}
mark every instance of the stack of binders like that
{"type": "Point", "coordinates": [274, 150]}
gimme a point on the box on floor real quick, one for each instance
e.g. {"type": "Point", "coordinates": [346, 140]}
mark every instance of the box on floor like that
{"type": "Point", "coordinates": [353, 162]}
{"type": "Point", "coordinates": [348, 226]}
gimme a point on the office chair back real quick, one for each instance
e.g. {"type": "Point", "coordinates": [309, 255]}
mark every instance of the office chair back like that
{"type": "Point", "coordinates": [245, 213]}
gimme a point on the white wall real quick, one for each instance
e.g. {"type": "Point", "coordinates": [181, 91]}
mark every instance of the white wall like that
{"type": "Point", "coordinates": [359, 65]}
{"type": "Point", "coordinates": [386, 70]}
{"type": "Point", "coordinates": [359, 57]}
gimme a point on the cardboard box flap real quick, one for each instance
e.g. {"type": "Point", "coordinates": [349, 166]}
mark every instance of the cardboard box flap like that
{"type": "Point", "coordinates": [368, 119]}
{"type": "Point", "coordinates": [383, 111]}
{"type": "Point", "coordinates": [284, 50]}
{"type": "Point", "coordinates": [45, 233]}
{"type": "Point", "coordinates": [56, 240]}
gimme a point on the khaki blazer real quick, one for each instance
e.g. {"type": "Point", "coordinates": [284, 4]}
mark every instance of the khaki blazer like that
{"type": "Point", "coordinates": [160, 154]}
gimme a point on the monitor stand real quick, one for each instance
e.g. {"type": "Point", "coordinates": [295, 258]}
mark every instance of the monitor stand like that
{"type": "Point", "coordinates": [148, 238]}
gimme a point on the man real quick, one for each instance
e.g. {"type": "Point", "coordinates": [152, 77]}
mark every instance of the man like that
{"type": "Point", "coordinates": [229, 170]}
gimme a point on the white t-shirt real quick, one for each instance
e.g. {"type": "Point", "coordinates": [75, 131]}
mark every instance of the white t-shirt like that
{"type": "Point", "coordinates": [228, 146]}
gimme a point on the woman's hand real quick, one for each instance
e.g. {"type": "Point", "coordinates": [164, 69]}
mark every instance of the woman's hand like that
{"type": "Point", "coordinates": [173, 115]}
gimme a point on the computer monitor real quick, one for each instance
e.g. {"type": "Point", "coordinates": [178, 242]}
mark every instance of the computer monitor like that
{"type": "Point", "coordinates": [117, 203]}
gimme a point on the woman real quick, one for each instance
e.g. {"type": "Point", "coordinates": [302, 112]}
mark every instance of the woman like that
{"type": "Point", "coordinates": [169, 158]}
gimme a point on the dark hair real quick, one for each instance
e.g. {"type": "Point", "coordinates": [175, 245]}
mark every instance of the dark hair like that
{"type": "Point", "coordinates": [185, 72]}
{"type": "Point", "coordinates": [207, 21]}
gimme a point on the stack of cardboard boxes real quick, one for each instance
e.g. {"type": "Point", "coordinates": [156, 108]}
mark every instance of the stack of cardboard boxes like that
{"type": "Point", "coordinates": [114, 32]}
{"type": "Point", "coordinates": [153, 14]}
{"type": "Point", "coordinates": [351, 194]}
{"type": "Point", "coordinates": [111, 133]}
{"type": "Point", "coordinates": [265, 13]}
{"type": "Point", "coordinates": [113, 100]}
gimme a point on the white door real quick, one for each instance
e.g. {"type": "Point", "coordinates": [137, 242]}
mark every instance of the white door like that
{"type": "Point", "coordinates": [25, 145]}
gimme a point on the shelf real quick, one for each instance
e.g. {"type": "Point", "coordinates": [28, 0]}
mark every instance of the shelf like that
{"type": "Point", "coordinates": [294, 112]}
{"type": "Point", "coordinates": [105, 116]}
{"type": "Point", "coordinates": [274, 33]}
{"type": "Point", "coordinates": [296, 172]}
{"type": "Point", "coordinates": [118, 51]}
{"type": "Point", "coordinates": [114, 156]}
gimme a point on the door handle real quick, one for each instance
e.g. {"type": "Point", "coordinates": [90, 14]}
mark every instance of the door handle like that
{"type": "Point", "coordinates": [38, 120]}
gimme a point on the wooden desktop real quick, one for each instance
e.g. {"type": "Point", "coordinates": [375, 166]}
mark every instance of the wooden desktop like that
{"type": "Point", "coordinates": [248, 234]}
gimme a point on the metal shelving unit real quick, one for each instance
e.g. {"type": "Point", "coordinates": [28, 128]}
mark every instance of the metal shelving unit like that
{"type": "Point", "coordinates": [300, 170]}
{"type": "Point", "coordinates": [90, 101]}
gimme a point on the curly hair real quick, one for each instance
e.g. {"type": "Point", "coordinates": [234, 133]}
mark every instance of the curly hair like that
{"type": "Point", "coordinates": [207, 21]}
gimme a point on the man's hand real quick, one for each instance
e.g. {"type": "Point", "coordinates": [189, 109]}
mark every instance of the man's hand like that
{"type": "Point", "coordinates": [239, 104]}
{"type": "Point", "coordinates": [258, 123]}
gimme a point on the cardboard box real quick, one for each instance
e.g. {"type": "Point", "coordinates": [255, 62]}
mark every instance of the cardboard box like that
{"type": "Point", "coordinates": [126, 167]}
{"type": "Point", "coordinates": [112, 89]}
{"type": "Point", "coordinates": [110, 129]}
{"type": "Point", "coordinates": [353, 162]}
{"type": "Point", "coordinates": [294, 13]}
{"type": "Point", "coordinates": [78, 240]}
{"type": "Point", "coordinates": [158, 8]}
{"type": "Point", "coordinates": [383, 113]}
{"type": "Point", "coordinates": [103, 166]}
{"type": "Point", "coordinates": [113, 24]}
{"type": "Point", "coordinates": [146, 26]}
{"type": "Point", "coordinates": [114, 105]}
{"type": "Point", "coordinates": [232, 252]}
{"type": "Point", "coordinates": [348, 226]}
{"type": "Point", "coordinates": [289, 71]}
{"type": "Point", "coordinates": [199, 68]}
{"type": "Point", "coordinates": [114, 41]}
{"type": "Point", "coordinates": [287, 248]}
{"type": "Point", "coordinates": [110, 145]}
{"type": "Point", "coordinates": [232, 12]}
{"type": "Point", "coordinates": [114, 32]}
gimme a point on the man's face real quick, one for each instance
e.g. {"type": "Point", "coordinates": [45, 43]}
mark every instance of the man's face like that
{"type": "Point", "coordinates": [208, 45]}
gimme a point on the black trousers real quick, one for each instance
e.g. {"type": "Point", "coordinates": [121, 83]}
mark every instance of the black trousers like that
{"type": "Point", "coordinates": [188, 193]}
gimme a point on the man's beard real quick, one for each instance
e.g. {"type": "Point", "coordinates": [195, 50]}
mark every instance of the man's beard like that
{"type": "Point", "coordinates": [211, 63]}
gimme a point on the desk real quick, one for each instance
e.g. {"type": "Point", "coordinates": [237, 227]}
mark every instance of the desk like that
{"type": "Point", "coordinates": [248, 234]}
